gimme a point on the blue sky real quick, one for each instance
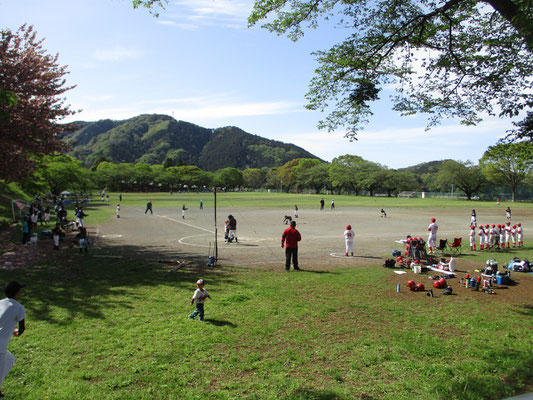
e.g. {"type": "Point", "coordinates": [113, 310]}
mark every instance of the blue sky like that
{"type": "Point", "coordinates": [200, 63]}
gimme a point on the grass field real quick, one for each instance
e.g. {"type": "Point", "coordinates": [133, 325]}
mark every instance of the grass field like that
{"type": "Point", "coordinates": [117, 328]}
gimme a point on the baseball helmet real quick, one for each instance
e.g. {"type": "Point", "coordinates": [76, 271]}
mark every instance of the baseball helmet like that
{"type": "Point", "coordinates": [348, 227]}
{"type": "Point", "coordinates": [433, 219]}
{"type": "Point", "coordinates": [420, 287]}
{"type": "Point", "coordinates": [518, 224]}
{"type": "Point", "coordinates": [411, 284]}
{"type": "Point", "coordinates": [486, 225]}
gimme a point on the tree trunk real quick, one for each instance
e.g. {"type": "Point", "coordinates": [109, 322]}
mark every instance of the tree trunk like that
{"type": "Point", "coordinates": [509, 10]}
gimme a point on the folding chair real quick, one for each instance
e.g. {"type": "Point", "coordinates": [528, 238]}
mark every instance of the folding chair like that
{"type": "Point", "coordinates": [443, 243]}
{"type": "Point", "coordinates": [455, 247]}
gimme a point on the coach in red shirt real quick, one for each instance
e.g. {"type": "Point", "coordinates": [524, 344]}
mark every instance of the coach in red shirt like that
{"type": "Point", "coordinates": [292, 237]}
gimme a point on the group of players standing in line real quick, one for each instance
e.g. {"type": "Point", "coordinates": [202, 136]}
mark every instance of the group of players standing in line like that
{"type": "Point", "coordinates": [496, 236]}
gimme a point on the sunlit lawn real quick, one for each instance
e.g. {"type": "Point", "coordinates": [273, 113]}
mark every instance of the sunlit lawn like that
{"type": "Point", "coordinates": [105, 328]}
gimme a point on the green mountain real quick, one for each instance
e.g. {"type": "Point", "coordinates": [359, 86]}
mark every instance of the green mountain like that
{"type": "Point", "coordinates": [157, 139]}
{"type": "Point", "coordinates": [430, 167]}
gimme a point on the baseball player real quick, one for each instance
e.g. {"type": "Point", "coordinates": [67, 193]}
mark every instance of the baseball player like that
{"type": "Point", "coordinates": [497, 233]}
{"type": "Point", "coordinates": [472, 236]}
{"type": "Point", "coordinates": [432, 237]}
{"type": "Point", "coordinates": [473, 218]}
{"type": "Point", "coordinates": [349, 235]}
{"type": "Point", "coordinates": [502, 235]}
{"type": "Point", "coordinates": [519, 234]}
{"type": "Point", "coordinates": [482, 237]}
{"type": "Point", "coordinates": [490, 235]}
{"type": "Point", "coordinates": [513, 235]}
{"type": "Point", "coordinates": [508, 230]}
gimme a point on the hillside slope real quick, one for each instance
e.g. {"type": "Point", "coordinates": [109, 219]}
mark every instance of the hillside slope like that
{"type": "Point", "coordinates": [157, 139]}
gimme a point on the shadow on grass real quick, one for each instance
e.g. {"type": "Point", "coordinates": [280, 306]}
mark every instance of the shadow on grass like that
{"type": "Point", "coordinates": [66, 284]}
{"type": "Point", "coordinates": [501, 384]}
{"type": "Point", "coordinates": [526, 310]}
{"type": "Point", "coordinates": [218, 322]}
{"type": "Point", "coordinates": [305, 394]}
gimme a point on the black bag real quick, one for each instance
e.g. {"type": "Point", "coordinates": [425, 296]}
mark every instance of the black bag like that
{"type": "Point", "coordinates": [389, 263]}
{"type": "Point", "coordinates": [447, 291]}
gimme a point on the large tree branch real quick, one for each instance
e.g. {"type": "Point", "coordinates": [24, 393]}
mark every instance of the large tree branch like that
{"type": "Point", "coordinates": [519, 19]}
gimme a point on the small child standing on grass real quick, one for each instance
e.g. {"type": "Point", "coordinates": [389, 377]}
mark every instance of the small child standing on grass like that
{"type": "Point", "coordinates": [199, 297]}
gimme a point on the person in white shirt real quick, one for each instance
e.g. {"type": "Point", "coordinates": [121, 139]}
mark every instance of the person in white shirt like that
{"type": "Point", "coordinates": [472, 236]}
{"type": "Point", "coordinates": [519, 234]}
{"type": "Point", "coordinates": [349, 235]}
{"type": "Point", "coordinates": [11, 314]}
{"type": "Point", "coordinates": [199, 296]}
{"type": "Point", "coordinates": [513, 235]}
{"type": "Point", "coordinates": [432, 237]}
{"type": "Point", "coordinates": [482, 237]}
{"type": "Point", "coordinates": [508, 230]}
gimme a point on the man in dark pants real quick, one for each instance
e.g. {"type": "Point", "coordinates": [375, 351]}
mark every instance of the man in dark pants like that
{"type": "Point", "coordinates": [292, 237]}
{"type": "Point", "coordinates": [149, 207]}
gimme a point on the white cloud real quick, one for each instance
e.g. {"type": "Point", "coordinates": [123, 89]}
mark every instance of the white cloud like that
{"type": "Point", "coordinates": [197, 110]}
{"type": "Point", "coordinates": [184, 26]}
{"type": "Point", "coordinates": [193, 14]}
{"type": "Point", "coordinates": [116, 53]}
{"type": "Point", "coordinates": [234, 8]}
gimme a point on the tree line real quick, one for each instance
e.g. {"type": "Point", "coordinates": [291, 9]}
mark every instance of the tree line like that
{"type": "Point", "coordinates": [505, 167]}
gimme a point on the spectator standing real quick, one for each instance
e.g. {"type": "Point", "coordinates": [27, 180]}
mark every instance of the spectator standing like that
{"type": "Point", "coordinates": [25, 230]}
{"type": "Point", "coordinates": [291, 236]}
{"type": "Point", "coordinates": [47, 214]}
{"type": "Point", "coordinates": [11, 314]}
{"type": "Point", "coordinates": [56, 235]}
{"type": "Point", "coordinates": [322, 204]}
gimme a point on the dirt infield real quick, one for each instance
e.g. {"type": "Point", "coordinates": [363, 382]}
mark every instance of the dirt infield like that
{"type": "Point", "coordinates": [259, 232]}
{"type": "Point", "coordinates": [166, 237]}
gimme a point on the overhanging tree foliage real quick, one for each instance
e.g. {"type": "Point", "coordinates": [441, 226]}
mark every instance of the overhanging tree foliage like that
{"type": "Point", "coordinates": [455, 58]}
{"type": "Point", "coordinates": [31, 83]}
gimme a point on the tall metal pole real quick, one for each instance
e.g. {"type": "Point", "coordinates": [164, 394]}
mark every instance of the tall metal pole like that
{"type": "Point", "coordinates": [216, 243]}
